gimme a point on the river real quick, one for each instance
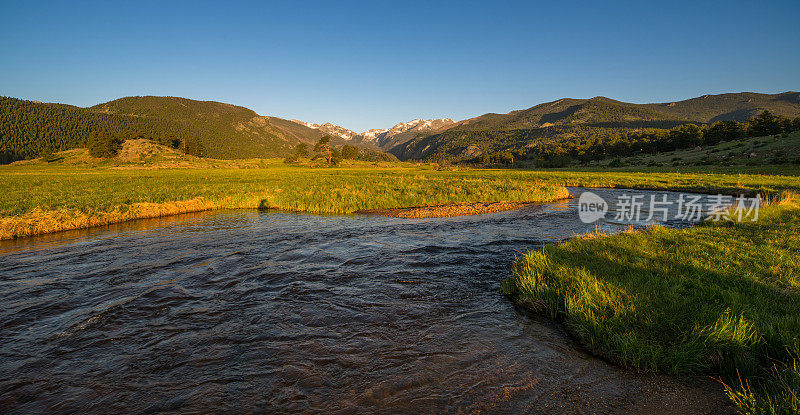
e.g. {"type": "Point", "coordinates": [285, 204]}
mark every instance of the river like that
{"type": "Point", "coordinates": [249, 311]}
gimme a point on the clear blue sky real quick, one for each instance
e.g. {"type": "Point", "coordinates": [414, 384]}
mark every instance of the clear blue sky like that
{"type": "Point", "coordinates": [372, 64]}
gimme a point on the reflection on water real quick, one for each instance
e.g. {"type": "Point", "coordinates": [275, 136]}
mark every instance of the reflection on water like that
{"type": "Point", "coordinates": [262, 311]}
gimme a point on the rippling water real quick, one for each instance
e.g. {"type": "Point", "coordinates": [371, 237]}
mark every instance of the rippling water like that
{"type": "Point", "coordinates": [268, 311]}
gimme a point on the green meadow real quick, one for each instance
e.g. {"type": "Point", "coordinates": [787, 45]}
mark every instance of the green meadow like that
{"type": "Point", "coordinates": [40, 198]}
{"type": "Point", "coordinates": [719, 300]}
{"type": "Point", "coordinates": [44, 197]}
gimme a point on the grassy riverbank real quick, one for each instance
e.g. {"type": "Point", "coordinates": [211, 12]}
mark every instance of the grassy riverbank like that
{"type": "Point", "coordinates": [719, 180]}
{"type": "Point", "coordinates": [720, 299]}
{"type": "Point", "coordinates": [717, 299]}
{"type": "Point", "coordinates": [38, 199]}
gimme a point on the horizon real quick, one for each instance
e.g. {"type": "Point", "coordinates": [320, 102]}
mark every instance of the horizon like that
{"type": "Point", "coordinates": [289, 118]}
{"type": "Point", "coordinates": [372, 67]}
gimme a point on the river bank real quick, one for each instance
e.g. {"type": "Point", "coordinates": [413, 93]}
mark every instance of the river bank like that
{"type": "Point", "coordinates": [718, 299]}
{"type": "Point", "coordinates": [274, 311]}
{"type": "Point", "coordinates": [39, 198]}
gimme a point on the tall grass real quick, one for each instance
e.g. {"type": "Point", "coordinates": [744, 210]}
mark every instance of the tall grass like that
{"type": "Point", "coordinates": [715, 299]}
{"type": "Point", "coordinates": [723, 180]}
{"type": "Point", "coordinates": [39, 199]}
{"type": "Point", "coordinates": [719, 299]}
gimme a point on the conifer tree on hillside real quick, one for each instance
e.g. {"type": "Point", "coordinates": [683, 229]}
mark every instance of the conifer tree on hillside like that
{"type": "Point", "coordinates": [323, 147]}
{"type": "Point", "coordinates": [104, 145]}
{"type": "Point", "coordinates": [301, 150]}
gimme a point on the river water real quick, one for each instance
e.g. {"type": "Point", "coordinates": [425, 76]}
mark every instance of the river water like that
{"type": "Point", "coordinates": [248, 311]}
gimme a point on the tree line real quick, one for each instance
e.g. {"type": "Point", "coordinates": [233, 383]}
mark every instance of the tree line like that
{"type": "Point", "coordinates": [606, 143]}
{"type": "Point", "coordinates": [106, 145]}
{"type": "Point", "coordinates": [324, 150]}
{"type": "Point", "coordinates": [30, 129]}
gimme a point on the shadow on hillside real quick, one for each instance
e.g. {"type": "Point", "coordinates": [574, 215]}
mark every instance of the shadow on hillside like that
{"type": "Point", "coordinates": [554, 117]}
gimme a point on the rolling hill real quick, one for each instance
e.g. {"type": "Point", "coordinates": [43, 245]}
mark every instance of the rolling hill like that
{"type": "Point", "coordinates": [731, 107]}
{"type": "Point", "coordinates": [586, 118]}
{"type": "Point", "coordinates": [226, 131]}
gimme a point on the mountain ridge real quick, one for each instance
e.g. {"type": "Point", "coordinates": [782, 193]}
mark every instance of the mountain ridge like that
{"type": "Point", "coordinates": [383, 138]}
{"type": "Point", "coordinates": [228, 131]}
{"type": "Point", "coordinates": [225, 131]}
{"type": "Point", "coordinates": [571, 117]}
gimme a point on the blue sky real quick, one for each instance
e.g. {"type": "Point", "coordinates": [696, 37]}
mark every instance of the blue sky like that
{"type": "Point", "coordinates": [372, 64]}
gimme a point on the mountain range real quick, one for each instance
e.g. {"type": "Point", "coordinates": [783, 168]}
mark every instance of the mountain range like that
{"type": "Point", "coordinates": [384, 139]}
{"type": "Point", "coordinates": [585, 118]}
{"type": "Point", "coordinates": [222, 130]}
{"type": "Point", "coordinates": [229, 131]}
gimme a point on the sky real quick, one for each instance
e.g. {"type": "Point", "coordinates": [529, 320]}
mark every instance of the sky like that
{"type": "Point", "coordinates": [373, 64]}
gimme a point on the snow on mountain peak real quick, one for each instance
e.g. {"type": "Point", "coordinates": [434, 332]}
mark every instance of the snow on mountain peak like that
{"type": "Point", "coordinates": [329, 128]}
{"type": "Point", "coordinates": [379, 136]}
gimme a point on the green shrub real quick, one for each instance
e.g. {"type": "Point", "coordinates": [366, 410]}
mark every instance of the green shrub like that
{"type": "Point", "coordinates": [104, 145]}
{"type": "Point", "coordinates": [47, 155]}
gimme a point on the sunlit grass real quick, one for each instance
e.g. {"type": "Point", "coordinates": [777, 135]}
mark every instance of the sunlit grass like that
{"type": "Point", "coordinates": [715, 299]}
{"type": "Point", "coordinates": [720, 299]}
{"type": "Point", "coordinates": [722, 180]}
{"type": "Point", "coordinates": [40, 198]}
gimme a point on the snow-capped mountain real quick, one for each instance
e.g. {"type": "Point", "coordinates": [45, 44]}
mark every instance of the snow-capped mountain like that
{"type": "Point", "coordinates": [416, 125]}
{"type": "Point", "coordinates": [329, 128]}
{"type": "Point", "coordinates": [384, 138]}
{"type": "Point", "coordinates": [405, 131]}
{"type": "Point", "coordinates": [372, 135]}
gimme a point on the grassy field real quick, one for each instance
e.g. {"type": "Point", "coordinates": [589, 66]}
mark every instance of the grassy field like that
{"type": "Point", "coordinates": [40, 198]}
{"type": "Point", "coordinates": [716, 299]}
{"type": "Point", "coordinates": [720, 299]}
{"type": "Point", "coordinates": [76, 192]}
{"type": "Point", "coordinates": [723, 180]}
{"type": "Point", "coordinates": [751, 153]}
{"type": "Point", "coordinates": [768, 154]}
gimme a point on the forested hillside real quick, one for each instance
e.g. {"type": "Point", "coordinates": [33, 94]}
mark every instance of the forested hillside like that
{"type": "Point", "coordinates": [552, 132]}
{"type": "Point", "coordinates": [731, 107]}
{"type": "Point", "coordinates": [28, 128]}
{"type": "Point", "coordinates": [573, 127]}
